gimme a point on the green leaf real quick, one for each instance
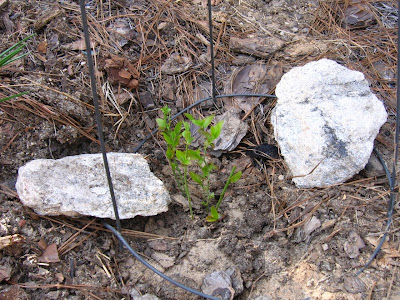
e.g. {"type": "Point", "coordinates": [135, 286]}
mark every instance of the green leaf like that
{"type": "Point", "coordinates": [235, 177]}
{"type": "Point", "coordinates": [192, 154]}
{"type": "Point", "coordinates": [196, 178]}
{"type": "Point", "coordinates": [187, 136]}
{"type": "Point", "coordinates": [178, 128]}
{"type": "Point", "coordinates": [186, 125]}
{"type": "Point", "coordinates": [189, 116]}
{"type": "Point", "coordinates": [207, 169]}
{"type": "Point", "coordinates": [181, 156]}
{"type": "Point", "coordinates": [207, 121]}
{"type": "Point", "coordinates": [166, 110]}
{"type": "Point", "coordinates": [216, 130]}
{"type": "Point", "coordinates": [168, 139]}
{"type": "Point", "coordinates": [213, 216]}
{"type": "Point", "coordinates": [176, 140]}
{"type": "Point", "coordinates": [162, 124]}
{"type": "Point", "coordinates": [169, 153]}
{"type": "Point", "coordinates": [194, 121]}
{"type": "Point", "coordinates": [174, 166]}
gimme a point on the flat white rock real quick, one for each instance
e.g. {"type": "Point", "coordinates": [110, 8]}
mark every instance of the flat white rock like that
{"type": "Point", "coordinates": [325, 122]}
{"type": "Point", "coordinates": [77, 185]}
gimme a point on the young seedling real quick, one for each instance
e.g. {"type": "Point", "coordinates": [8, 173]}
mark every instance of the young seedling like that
{"type": "Point", "coordinates": [206, 167]}
{"type": "Point", "coordinates": [182, 159]}
{"type": "Point", "coordinates": [214, 215]}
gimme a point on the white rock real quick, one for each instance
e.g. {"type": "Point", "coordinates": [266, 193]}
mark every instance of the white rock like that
{"type": "Point", "coordinates": [77, 185]}
{"type": "Point", "coordinates": [325, 122]}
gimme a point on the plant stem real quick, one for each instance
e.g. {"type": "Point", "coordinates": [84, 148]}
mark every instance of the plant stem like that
{"type": "Point", "coordinates": [187, 193]}
{"type": "Point", "coordinates": [225, 188]}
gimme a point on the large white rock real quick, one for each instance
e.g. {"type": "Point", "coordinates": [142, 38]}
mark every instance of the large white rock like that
{"type": "Point", "coordinates": [325, 122]}
{"type": "Point", "coordinates": [77, 185]}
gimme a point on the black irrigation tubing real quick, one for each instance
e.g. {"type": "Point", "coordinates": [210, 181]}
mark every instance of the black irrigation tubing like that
{"type": "Point", "coordinates": [195, 104]}
{"type": "Point", "coordinates": [391, 177]}
{"type": "Point", "coordinates": [134, 253]}
{"type": "Point", "coordinates": [389, 213]}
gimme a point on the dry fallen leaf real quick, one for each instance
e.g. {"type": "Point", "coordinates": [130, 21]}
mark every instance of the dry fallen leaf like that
{"type": "Point", "coordinates": [50, 255]}
{"type": "Point", "coordinates": [176, 64]}
{"type": "Point", "coordinates": [357, 15]}
{"type": "Point", "coordinates": [5, 273]}
{"type": "Point", "coordinates": [79, 45]}
{"type": "Point", "coordinates": [10, 240]}
{"type": "Point", "coordinates": [42, 47]}
{"type": "Point", "coordinates": [59, 277]}
{"type": "Point", "coordinates": [121, 71]}
{"type": "Point", "coordinates": [389, 251]}
{"type": "Point", "coordinates": [42, 244]}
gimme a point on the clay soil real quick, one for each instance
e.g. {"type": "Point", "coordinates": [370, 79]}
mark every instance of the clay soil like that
{"type": "Point", "coordinates": [277, 241]}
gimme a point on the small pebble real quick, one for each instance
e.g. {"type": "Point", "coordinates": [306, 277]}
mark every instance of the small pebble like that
{"type": "Point", "coordinates": [325, 247]}
{"type": "Point", "coordinates": [281, 177]}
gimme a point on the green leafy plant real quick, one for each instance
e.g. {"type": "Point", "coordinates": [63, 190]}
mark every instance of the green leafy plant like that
{"type": "Point", "coordinates": [180, 157]}
{"type": "Point", "coordinates": [11, 54]}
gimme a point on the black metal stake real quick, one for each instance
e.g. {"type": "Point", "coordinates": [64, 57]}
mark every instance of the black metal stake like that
{"type": "Point", "coordinates": [97, 112]}
{"type": "Point", "coordinates": [212, 51]}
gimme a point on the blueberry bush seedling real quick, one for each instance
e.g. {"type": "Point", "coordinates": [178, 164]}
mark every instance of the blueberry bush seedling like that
{"type": "Point", "coordinates": [180, 160]}
{"type": "Point", "coordinates": [8, 56]}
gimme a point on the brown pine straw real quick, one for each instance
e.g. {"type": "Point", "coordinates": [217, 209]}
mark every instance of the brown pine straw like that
{"type": "Point", "coordinates": [64, 286]}
{"type": "Point", "coordinates": [361, 48]}
{"type": "Point", "coordinates": [95, 226]}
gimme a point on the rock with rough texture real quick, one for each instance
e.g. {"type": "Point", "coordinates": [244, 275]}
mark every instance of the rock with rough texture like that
{"type": "Point", "coordinates": [218, 284]}
{"type": "Point", "coordinates": [325, 122]}
{"type": "Point", "coordinates": [77, 185]}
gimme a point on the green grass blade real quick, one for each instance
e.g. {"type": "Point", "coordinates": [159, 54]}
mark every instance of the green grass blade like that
{"type": "Point", "coordinates": [12, 96]}
{"type": "Point", "coordinates": [7, 59]}
{"type": "Point", "coordinates": [16, 45]}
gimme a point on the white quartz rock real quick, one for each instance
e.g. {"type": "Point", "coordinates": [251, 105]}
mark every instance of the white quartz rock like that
{"type": "Point", "coordinates": [325, 122]}
{"type": "Point", "coordinates": [77, 185]}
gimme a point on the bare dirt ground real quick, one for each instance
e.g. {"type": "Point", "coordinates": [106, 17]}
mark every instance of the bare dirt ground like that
{"type": "Point", "coordinates": [280, 242]}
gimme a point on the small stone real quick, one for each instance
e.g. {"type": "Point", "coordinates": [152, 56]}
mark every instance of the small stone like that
{"type": "Point", "coordinates": [237, 281]}
{"type": "Point", "coordinates": [218, 284]}
{"type": "Point", "coordinates": [311, 225]}
{"type": "Point", "coordinates": [354, 285]}
{"type": "Point", "coordinates": [374, 167]}
{"type": "Point", "coordinates": [261, 46]}
{"type": "Point", "coordinates": [136, 295]}
{"type": "Point", "coordinates": [163, 259]}
{"type": "Point", "coordinates": [325, 122]}
{"type": "Point", "coordinates": [232, 132]}
{"type": "Point", "coordinates": [325, 247]}
{"type": "Point", "coordinates": [77, 185]}
{"type": "Point", "coordinates": [281, 177]}
{"type": "Point", "coordinates": [353, 244]}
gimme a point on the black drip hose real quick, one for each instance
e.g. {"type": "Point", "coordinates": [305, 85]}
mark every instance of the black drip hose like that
{"type": "Point", "coordinates": [389, 213]}
{"type": "Point", "coordinates": [139, 258]}
{"type": "Point", "coordinates": [391, 177]}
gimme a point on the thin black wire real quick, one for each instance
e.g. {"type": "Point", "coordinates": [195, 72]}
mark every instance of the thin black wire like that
{"type": "Point", "coordinates": [389, 213]}
{"type": "Point", "coordinates": [97, 111]}
{"type": "Point", "coordinates": [195, 104]}
{"type": "Point", "coordinates": [391, 177]}
{"type": "Point", "coordinates": [212, 51]}
{"type": "Point", "coordinates": [134, 253]}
